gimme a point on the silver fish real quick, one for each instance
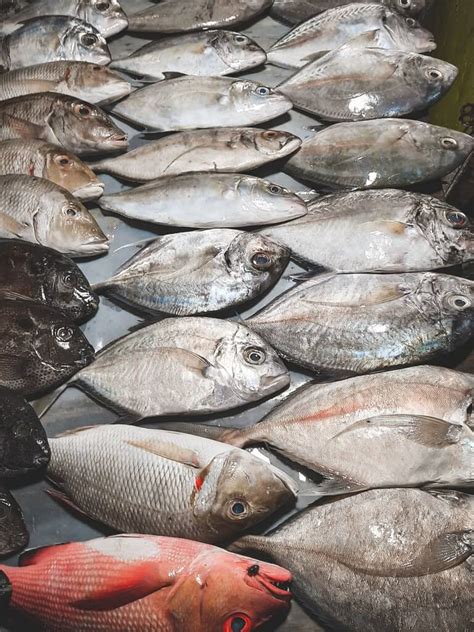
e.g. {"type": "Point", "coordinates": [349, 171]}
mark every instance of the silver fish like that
{"type": "Point", "coordinates": [53, 39]}
{"type": "Point", "coordinates": [378, 231]}
{"type": "Point", "coordinates": [166, 483]}
{"type": "Point", "coordinates": [397, 559]}
{"type": "Point", "coordinates": [336, 27]}
{"type": "Point", "coordinates": [357, 323]}
{"type": "Point", "coordinates": [380, 153]}
{"type": "Point", "coordinates": [198, 272]}
{"type": "Point", "coordinates": [207, 53]}
{"type": "Point", "coordinates": [207, 200]}
{"type": "Point", "coordinates": [202, 102]}
{"type": "Point", "coordinates": [230, 149]}
{"type": "Point", "coordinates": [36, 210]}
{"type": "Point", "coordinates": [175, 16]}
{"type": "Point", "coordinates": [90, 82]}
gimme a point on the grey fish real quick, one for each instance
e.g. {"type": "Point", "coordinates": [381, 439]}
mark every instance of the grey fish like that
{"type": "Point", "coordinates": [207, 200]}
{"type": "Point", "coordinates": [76, 125]}
{"type": "Point", "coordinates": [53, 39]}
{"type": "Point", "coordinates": [14, 534]}
{"type": "Point", "coordinates": [397, 560]}
{"type": "Point", "coordinates": [357, 323]}
{"type": "Point", "coordinates": [206, 53]}
{"type": "Point", "coordinates": [174, 16]}
{"type": "Point", "coordinates": [378, 154]}
{"type": "Point", "coordinates": [216, 491]}
{"type": "Point", "coordinates": [90, 82]}
{"type": "Point", "coordinates": [183, 365]}
{"type": "Point", "coordinates": [220, 149]}
{"type": "Point", "coordinates": [38, 211]}
{"type": "Point", "coordinates": [378, 231]}
{"type": "Point", "coordinates": [202, 102]}
{"type": "Point", "coordinates": [198, 272]}
{"type": "Point", "coordinates": [356, 82]}
{"type": "Point", "coordinates": [336, 27]}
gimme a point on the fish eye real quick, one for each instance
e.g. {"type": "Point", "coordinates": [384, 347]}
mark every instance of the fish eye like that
{"type": "Point", "coordinates": [270, 134]}
{"type": "Point", "coordinates": [70, 211]}
{"type": "Point", "coordinates": [275, 189]}
{"type": "Point", "coordinates": [240, 39]}
{"type": "Point", "coordinates": [102, 6]}
{"type": "Point", "coordinates": [261, 261]}
{"type": "Point", "coordinates": [449, 143]}
{"type": "Point", "coordinates": [97, 68]}
{"type": "Point", "coordinates": [83, 110]}
{"type": "Point", "coordinates": [63, 161]}
{"type": "Point", "coordinates": [255, 355]}
{"type": "Point", "coordinates": [410, 22]}
{"type": "Point", "coordinates": [456, 218]}
{"type": "Point", "coordinates": [405, 3]}
{"type": "Point", "coordinates": [238, 509]}
{"type": "Point", "coordinates": [262, 91]}
{"type": "Point", "coordinates": [238, 623]}
{"type": "Point", "coordinates": [459, 302]}
{"type": "Point", "coordinates": [434, 73]}
{"type": "Point", "coordinates": [64, 334]}
{"type": "Point", "coordinates": [253, 570]}
{"type": "Point", "coordinates": [89, 40]}
{"type": "Point", "coordinates": [68, 279]}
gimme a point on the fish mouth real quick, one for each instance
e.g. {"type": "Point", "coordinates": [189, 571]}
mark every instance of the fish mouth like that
{"type": "Point", "coordinates": [90, 191]}
{"type": "Point", "coordinates": [118, 140]}
{"type": "Point", "coordinates": [277, 588]}
{"type": "Point", "coordinates": [428, 47]}
{"type": "Point", "coordinates": [275, 382]}
{"type": "Point", "coordinates": [95, 246]}
{"type": "Point", "coordinates": [117, 24]}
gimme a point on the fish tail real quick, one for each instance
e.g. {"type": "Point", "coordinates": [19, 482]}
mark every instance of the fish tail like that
{"type": "Point", "coordinates": [217, 433]}
{"type": "Point", "coordinates": [42, 405]}
{"type": "Point", "coordinates": [5, 593]}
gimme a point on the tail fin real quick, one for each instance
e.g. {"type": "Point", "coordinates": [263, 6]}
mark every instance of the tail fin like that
{"type": "Point", "coordinates": [42, 405]}
{"type": "Point", "coordinates": [217, 433]}
{"type": "Point", "coordinates": [5, 593]}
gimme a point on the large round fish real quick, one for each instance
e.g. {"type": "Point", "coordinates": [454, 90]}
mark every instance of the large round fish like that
{"type": "Point", "coordinates": [14, 534]}
{"type": "Point", "coordinates": [384, 230]}
{"type": "Point", "coordinates": [389, 559]}
{"type": "Point", "coordinates": [356, 323]}
{"type": "Point", "coordinates": [53, 38]}
{"type": "Point", "coordinates": [207, 53]}
{"type": "Point", "coordinates": [63, 120]}
{"type": "Point", "coordinates": [39, 274]}
{"type": "Point", "coordinates": [36, 210]}
{"type": "Point", "coordinates": [175, 16]}
{"type": "Point", "coordinates": [90, 82]}
{"type": "Point", "coordinates": [169, 583]}
{"type": "Point", "coordinates": [40, 348]}
{"type": "Point", "coordinates": [379, 154]}
{"type": "Point", "coordinates": [223, 149]}
{"type": "Point", "coordinates": [51, 162]}
{"type": "Point", "coordinates": [207, 200]}
{"type": "Point", "coordinates": [202, 102]}
{"type": "Point", "coordinates": [166, 483]}
{"type": "Point", "coordinates": [198, 272]}
{"type": "Point", "coordinates": [183, 366]}
{"type": "Point", "coordinates": [336, 27]}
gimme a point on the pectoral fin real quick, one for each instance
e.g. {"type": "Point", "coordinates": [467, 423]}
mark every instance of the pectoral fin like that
{"type": "Point", "coordinates": [23, 129]}
{"type": "Point", "coordinates": [11, 227]}
{"type": "Point", "coordinates": [169, 450]}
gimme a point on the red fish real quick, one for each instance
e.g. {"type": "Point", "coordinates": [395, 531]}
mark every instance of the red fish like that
{"type": "Point", "coordinates": [140, 583]}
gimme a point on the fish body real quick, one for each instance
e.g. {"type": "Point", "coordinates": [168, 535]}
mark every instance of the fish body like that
{"type": "Point", "coordinates": [397, 560]}
{"type": "Point", "coordinates": [220, 149]}
{"type": "Point", "coordinates": [206, 53]}
{"type": "Point", "coordinates": [381, 153]}
{"type": "Point", "coordinates": [202, 102]}
{"type": "Point", "coordinates": [357, 323]}
{"type": "Point", "coordinates": [207, 200]}
{"type": "Point", "coordinates": [79, 127]}
{"type": "Point", "coordinates": [14, 534]}
{"type": "Point", "coordinates": [337, 26]}
{"type": "Point", "coordinates": [171, 582]}
{"type": "Point", "coordinates": [384, 230]}
{"type": "Point", "coordinates": [38, 211]}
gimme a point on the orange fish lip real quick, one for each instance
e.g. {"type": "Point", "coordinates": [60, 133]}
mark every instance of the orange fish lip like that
{"type": "Point", "coordinates": [270, 585]}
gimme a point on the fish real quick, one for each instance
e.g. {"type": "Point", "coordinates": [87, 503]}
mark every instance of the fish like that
{"type": "Point", "coordinates": [53, 38]}
{"type": "Point", "coordinates": [38, 211]}
{"type": "Point", "coordinates": [384, 230]}
{"type": "Point", "coordinates": [230, 149]}
{"type": "Point", "coordinates": [40, 348]}
{"type": "Point", "coordinates": [198, 272]}
{"type": "Point", "coordinates": [359, 82]}
{"type": "Point", "coordinates": [206, 53]}
{"type": "Point", "coordinates": [168, 584]}
{"type": "Point", "coordinates": [14, 534]}
{"type": "Point", "coordinates": [335, 27]}
{"type": "Point", "coordinates": [23, 443]}
{"type": "Point", "coordinates": [382, 153]}
{"type": "Point", "coordinates": [344, 324]}
{"type": "Point", "coordinates": [207, 200]}
{"type": "Point", "coordinates": [397, 559]}
{"type": "Point", "coordinates": [90, 82]}
{"type": "Point", "coordinates": [187, 365]}
{"type": "Point", "coordinates": [176, 16]}
{"type": "Point", "coordinates": [30, 272]}
{"type": "Point", "coordinates": [51, 162]}
{"type": "Point", "coordinates": [201, 102]}
{"type": "Point", "coordinates": [79, 127]}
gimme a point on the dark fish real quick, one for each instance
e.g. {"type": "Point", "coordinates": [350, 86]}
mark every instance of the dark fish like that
{"type": "Point", "coordinates": [14, 535]}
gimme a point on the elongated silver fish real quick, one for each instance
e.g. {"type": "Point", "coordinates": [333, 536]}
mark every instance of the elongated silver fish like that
{"type": "Point", "coordinates": [207, 200]}
{"type": "Point", "coordinates": [166, 483]}
{"type": "Point", "coordinates": [53, 39]}
{"type": "Point", "coordinates": [230, 149]}
{"type": "Point", "coordinates": [198, 272]}
{"type": "Point", "coordinates": [380, 153]}
{"type": "Point", "coordinates": [356, 323]}
{"type": "Point", "coordinates": [337, 26]}
{"type": "Point", "coordinates": [202, 102]}
{"type": "Point", "coordinates": [378, 231]}
{"type": "Point", "coordinates": [206, 53]}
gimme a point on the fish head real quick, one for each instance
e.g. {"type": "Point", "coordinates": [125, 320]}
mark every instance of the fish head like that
{"type": "Point", "coordinates": [106, 15]}
{"type": "Point", "coordinates": [70, 173]}
{"type": "Point", "coordinates": [433, 77]}
{"type": "Point", "coordinates": [13, 532]}
{"type": "Point", "coordinates": [407, 7]}
{"type": "Point", "coordinates": [449, 147]}
{"type": "Point", "coordinates": [268, 197]}
{"type": "Point", "coordinates": [105, 84]}
{"type": "Point", "coordinates": [407, 34]}
{"type": "Point", "coordinates": [272, 142]}
{"type": "Point", "coordinates": [83, 42]}
{"type": "Point", "coordinates": [455, 296]}
{"type": "Point", "coordinates": [250, 96]}
{"type": "Point", "coordinates": [256, 259]}
{"type": "Point", "coordinates": [237, 50]}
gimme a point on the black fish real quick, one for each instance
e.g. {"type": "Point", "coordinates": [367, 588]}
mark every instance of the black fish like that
{"type": "Point", "coordinates": [13, 532]}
